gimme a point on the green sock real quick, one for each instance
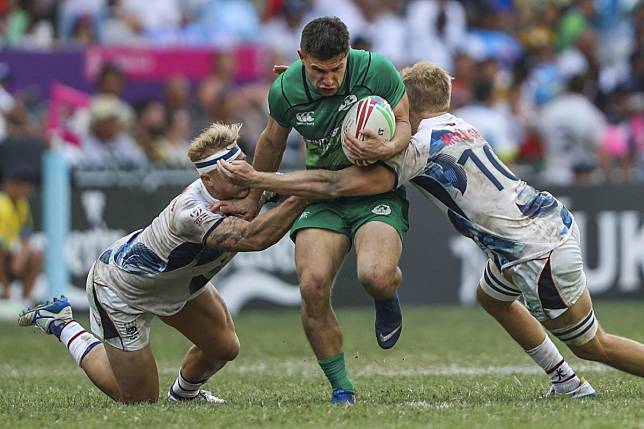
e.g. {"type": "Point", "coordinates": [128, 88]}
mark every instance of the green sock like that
{"type": "Point", "coordinates": [336, 372]}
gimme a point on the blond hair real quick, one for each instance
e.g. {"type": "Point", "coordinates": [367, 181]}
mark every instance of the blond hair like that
{"type": "Point", "coordinates": [429, 87]}
{"type": "Point", "coordinates": [215, 137]}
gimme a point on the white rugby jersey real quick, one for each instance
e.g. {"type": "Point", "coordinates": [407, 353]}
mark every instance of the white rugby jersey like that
{"type": "Point", "coordinates": [158, 268]}
{"type": "Point", "coordinates": [506, 217]}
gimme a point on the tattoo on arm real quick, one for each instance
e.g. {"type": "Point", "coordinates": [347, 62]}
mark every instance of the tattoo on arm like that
{"type": "Point", "coordinates": [228, 234]}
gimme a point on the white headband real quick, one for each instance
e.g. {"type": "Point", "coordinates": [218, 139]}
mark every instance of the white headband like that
{"type": "Point", "coordinates": [208, 164]}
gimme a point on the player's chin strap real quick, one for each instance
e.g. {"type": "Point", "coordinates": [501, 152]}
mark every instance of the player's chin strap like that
{"type": "Point", "coordinates": [208, 164]}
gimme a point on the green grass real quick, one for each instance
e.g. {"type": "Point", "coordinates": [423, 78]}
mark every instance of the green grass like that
{"type": "Point", "coordinates": [453, 368]}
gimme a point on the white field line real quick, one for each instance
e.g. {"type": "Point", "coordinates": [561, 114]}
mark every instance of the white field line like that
{"type": "Point", "coordinates": [308, 369]}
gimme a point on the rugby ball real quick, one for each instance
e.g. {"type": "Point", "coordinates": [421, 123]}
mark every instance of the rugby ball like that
{"type": "Point", "coordinates": [371, 113]}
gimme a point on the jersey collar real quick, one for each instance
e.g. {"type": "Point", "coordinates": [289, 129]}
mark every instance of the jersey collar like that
{"type": "Point", "coordinates": [436, 120]}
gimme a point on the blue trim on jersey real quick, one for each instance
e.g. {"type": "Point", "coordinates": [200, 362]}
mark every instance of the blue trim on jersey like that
{"type": "Point", "coordinates": [138, 259]}
{"type": "Point", "coordinates": [541, 205]}
{"type": "Point", "coordinates": [434, 187]}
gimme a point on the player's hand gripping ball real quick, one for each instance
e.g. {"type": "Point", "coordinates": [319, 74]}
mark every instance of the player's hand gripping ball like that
{"type": "Point", "coordinates": [370, 113]}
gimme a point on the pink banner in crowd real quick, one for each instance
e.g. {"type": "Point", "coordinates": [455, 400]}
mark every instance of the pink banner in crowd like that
{"type": "Point", "coordinates": [150, 64]}
{"type": "Point", "coordinates": [65, 103]}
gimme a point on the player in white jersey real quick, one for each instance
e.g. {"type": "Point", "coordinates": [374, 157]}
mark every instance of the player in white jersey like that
{"type": "Point", "coordinates": [531, 239]}
{"type": "Point", "coordinates": [164, 270]}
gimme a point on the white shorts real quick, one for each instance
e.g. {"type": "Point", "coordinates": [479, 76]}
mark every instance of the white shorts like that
{"type": "Point", "coordinates": [549, 284]}
{"type": "Point", "coordinates": [116, 322]}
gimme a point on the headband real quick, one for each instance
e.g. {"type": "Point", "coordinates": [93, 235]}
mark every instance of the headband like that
{"type": "Point", "coordinates": [209, 164]}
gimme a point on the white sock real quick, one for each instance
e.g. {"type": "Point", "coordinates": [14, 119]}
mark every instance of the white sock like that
{"type": "Point", "coordinates": [186, 389]}
{"type": "Point", "coordinates": [547, 356]}
{"type": "Point", "coordinates": [77, 340]}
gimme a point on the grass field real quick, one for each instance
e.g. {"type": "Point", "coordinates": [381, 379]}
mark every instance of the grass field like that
{"type": "Point", "coordinates": [453, 368]}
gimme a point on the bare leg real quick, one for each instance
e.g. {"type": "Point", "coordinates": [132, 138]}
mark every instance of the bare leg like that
{"type": "Point", "coordinates": [318, 256]}
{"type": "Point", "coordinates": [30, 272]}
{"type": "Point", "coordinates": [378, 249]}
{"type": "Point", "coordinates": [515, 319]}
{"type": "Point", "coordinates": [4, 276]}
{"type": "Point", "coordinates": [207, 323]}
{"type": "Point", "coordinates": [619, 352]}
{"type": "Point", "coordinates": [135, 373]}
{"type": "Point", "coordinates": [98, 369]}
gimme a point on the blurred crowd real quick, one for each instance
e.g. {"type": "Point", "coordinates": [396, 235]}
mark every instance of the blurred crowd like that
{"type": "Point", "coordinates": [555, 86]}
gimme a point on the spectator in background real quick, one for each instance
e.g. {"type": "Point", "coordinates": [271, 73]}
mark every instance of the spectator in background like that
{"type": "Point", "coordinates": [436, 30]}
{"type": "Point", "coordinates": [176, 94]}
{"type": "Point", "coordinates": [575, 22]}
{"type": "Point", "coordinates": [77, 18]}
{"type": "Point", "coordinates": [281, 33]}
{"type": "Point", "coordinates": [19, 260]}
{"type": "Point", "coordinates": [464, 74]}
{"type": "Point", "coordinates": [108, 144]}
{"type": "Point", "coordinates": [217, 91]}
{"type": "Point", "coordinates": [572, 129]}
{"type": "Point", "coordinates": [224, 23]}
{"type": "Point", "coordinates": [384, 28]}
{"type": "Point", "coordinates": [6, 101]}
{"type": "Point", "coordinates": [178, 135]}
{"type": "Point", "coordinates": [111, 81]}
{"type": "Point", "coordinates": [491, 123]}
{"type": "Point", "coordinates": [83, 31]}
{"type": "Point", "coordinates": [30, 23]}
{"type": "Point", "coordinates": [636, 138]}
{"type": "Point", "coordinates": [150, 131]}
{"type": "Point", "coordinates": [140, 21]}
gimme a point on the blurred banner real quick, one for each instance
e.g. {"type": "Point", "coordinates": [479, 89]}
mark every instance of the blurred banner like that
{"type": "Point", "coordinates": [148, 67]}
{"type": "Point", "coordinates": [439, 265]}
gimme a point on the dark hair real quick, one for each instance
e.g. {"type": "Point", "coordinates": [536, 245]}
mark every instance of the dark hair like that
{"type": "Point", "coordinates": [325, 38]}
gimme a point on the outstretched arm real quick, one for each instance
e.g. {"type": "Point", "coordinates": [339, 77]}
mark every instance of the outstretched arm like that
{"type": "Point", "coordinates": [314, 184]}
{"type": "Point", "coordinates": [237, 235]}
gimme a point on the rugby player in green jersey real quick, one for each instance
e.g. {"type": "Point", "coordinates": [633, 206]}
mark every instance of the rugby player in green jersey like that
{"type": "Point", "coordinates": [313, 96]}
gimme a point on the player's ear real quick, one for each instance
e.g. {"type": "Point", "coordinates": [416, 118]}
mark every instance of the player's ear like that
{"type": "Point", "coordinates": [300, 54]}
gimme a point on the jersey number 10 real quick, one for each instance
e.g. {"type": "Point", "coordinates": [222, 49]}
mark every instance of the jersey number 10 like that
{"type": "Point", "coordinates": [469, 154]}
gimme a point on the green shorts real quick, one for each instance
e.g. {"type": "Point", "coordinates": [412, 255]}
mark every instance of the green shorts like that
{"type": "Point", "coordinates": [347, 215]}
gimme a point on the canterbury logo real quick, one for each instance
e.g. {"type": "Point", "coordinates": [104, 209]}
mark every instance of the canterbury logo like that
{"type": "Point", "coordinates": [347, 102]}
{"type": "Point", "coordinates": [305, 117]}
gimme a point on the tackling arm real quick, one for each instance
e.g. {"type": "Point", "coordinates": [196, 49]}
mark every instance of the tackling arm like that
{"type": "Point", "coordinates": [314, 184]}
{"type": "Point", "coordinates": [238, 235]}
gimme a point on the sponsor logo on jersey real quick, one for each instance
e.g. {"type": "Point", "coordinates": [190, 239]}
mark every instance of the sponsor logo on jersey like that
{"type": "Point", "coordinates": [305, 118]}
{"type": "Point", "coordinates": [304, 215]}
{"type": "Point", "coordinates": [347, 102]}
{"type": "Point", "coordinates": [381, 210]}
{"type": "Point", "coordinates": [199, 215]}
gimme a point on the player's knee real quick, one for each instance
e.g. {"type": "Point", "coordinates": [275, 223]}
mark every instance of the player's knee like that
{"type": "Point", "coordinates": [138, 396]}
{"type": "Point", "coordinates": [230, 349]}
{"type": "Point", "coordinates": [377, 277]}
{"type": "Point", "coordinates": [314, 288]}
{"type": "Point", "coordinates": [597, 349]}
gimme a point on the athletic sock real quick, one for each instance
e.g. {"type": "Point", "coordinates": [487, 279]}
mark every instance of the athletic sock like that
{"type": "Point", "coordinates": [78, 341]}
{"type": "Point", "coordinates": [185, 388]}
{"type": "Point", "coordinates": [336, 372]}
{"type": "Point", "coordinates": [547, 356]}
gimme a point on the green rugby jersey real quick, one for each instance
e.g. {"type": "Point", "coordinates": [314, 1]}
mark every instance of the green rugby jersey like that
{"type": "Point", "coordinates": [294, 102]}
